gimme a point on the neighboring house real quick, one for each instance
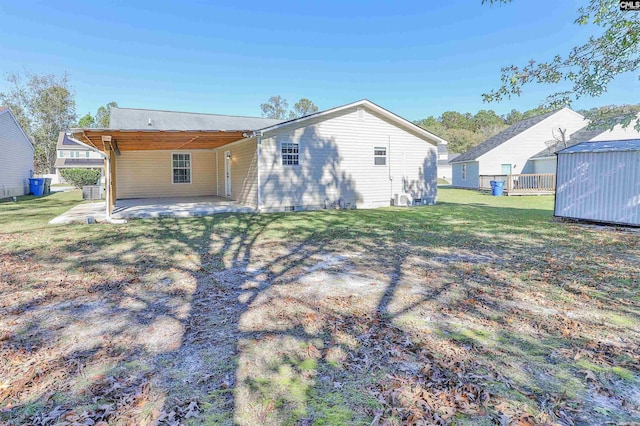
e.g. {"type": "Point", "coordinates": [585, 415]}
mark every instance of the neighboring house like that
{"type": "Point", "coordinates": [600, 181]}
{"type": "Point", "coordinates": [545, 160]}
{"type": "Point", "coordinates": [444, 165]}
{"type": "Point", "coordinates": [510, 151]}
{"type": "Point", "coordinates": [72, 155]}
{"type": "Point", "coordinates": [357, 155]}
{"type": "Point", "coordinates": [16, 156]}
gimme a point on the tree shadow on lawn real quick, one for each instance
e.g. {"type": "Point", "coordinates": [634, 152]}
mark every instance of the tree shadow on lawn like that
{"type": "Point", "coordinates": [271, 319]}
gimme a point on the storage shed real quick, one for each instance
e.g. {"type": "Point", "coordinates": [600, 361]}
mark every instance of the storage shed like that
{"type": "Point", "coordinates": [599, 181]}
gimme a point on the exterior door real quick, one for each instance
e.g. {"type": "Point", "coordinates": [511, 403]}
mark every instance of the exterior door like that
{"type": "Point", "coordinates": [227, 173]}
{"type": "Point", "coordinates": [506, 169]}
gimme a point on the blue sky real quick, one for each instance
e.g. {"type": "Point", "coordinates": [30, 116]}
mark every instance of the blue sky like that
{"type": "Point", "coordinates": [414, 58]}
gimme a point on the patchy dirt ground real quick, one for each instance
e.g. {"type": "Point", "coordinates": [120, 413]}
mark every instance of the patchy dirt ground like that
{"type": "Point", "coordinates": [351, 319]}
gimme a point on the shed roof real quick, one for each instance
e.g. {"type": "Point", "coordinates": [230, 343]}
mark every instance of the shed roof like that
{"type": "Point", "coordinates": [148, 119]}
{"type": "Point", "coordinates": [497, 140]}
{"type": "Point", "coordinates": [603, 146]}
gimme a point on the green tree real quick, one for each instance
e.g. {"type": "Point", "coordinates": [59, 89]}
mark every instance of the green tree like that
{"type": "Point", "coordinates": [513, 117]}
{"type": "Point", "coordinates": [302, 108]}
{"type": "Point", "coordinates": [589, 67]}
{"type": "Point", "coordinates": [44, 105]}
{"type": "Point", "coordinates": [103, 115]}
{"type": "Point", "coordinates": [456, 120]}
{"type": "Point", "coordinates": [462, 140]}
{"type": "Point", "coordinates": [87, 121]}
{"type": "Point", "coordinates": [276, 107]}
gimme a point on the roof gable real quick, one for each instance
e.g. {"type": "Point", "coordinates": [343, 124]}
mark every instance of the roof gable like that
{"type": "Point", "coordinates": [364, 103]}
{"type": "Point", "coordinates": [6, 110]}
{"type": "Point", "coordinates": [502, 137]}
{"type": "Point", "coordinates": [147, 119]}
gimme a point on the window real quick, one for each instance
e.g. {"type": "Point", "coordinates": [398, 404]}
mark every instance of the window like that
{"type": "Point", "coordinates": [86, 154]}
{"type": "Point", "coordinates": [61, 154]}
{"type": "Point", "coordinates": [290, 154]}
{"type": "Point", "coordinates": [181, 168]}
{"type": "Point", "coordinates": [380, 156]}
{"type": "Point", "coordinates": [464, 172]}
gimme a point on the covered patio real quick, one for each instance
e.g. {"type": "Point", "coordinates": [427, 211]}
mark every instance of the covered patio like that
{"type": "Point", "coordinates": [143, 208]}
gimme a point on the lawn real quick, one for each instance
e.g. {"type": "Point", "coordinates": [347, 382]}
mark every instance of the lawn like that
{"type": "Point", "coordinates": [479, 310]}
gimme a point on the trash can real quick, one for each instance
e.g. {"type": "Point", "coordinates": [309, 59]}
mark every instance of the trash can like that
{"type": "Point", "coordinates": [47, 186]}
{"type": "Point", "coordinates": [36, 186]}
{"type": "Point", "coordinates": [497, 187]}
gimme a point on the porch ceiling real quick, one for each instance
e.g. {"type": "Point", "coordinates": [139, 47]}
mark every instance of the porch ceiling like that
{"type": "Point", "coordinates": [139, 140]}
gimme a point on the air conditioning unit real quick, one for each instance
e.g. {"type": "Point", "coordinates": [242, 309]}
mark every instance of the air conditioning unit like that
{"type": "Point", "coordinates": [91, 192]}
{"type": "Point", "coordinates": [402, 200]}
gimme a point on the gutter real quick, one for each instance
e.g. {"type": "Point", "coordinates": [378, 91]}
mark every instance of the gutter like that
{"type": "Point", "coordinates": [258, 135]}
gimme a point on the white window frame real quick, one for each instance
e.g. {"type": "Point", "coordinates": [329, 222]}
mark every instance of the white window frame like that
{"type": "Point", "coordinates": [376, 155]}
{"type": "Point", "coordinates": [294, 145]}
{"type": "Point", "coordinates": [86, 154]}
{"type": "Point", "coordinates": [464, 172]}
{"type": "Point", "coordinates": [60, 153]}
{"type": "Point", "coordinates": [190, 168]}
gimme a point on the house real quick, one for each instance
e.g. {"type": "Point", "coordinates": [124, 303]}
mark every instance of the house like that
{"type": "Point", "coordinates": [72, 155]}
{"type": "Point", "coordinates": [444, 165]}
{"type": "Point", "coordinates": [357, 155]}
{"type": "Point", "coordinates": [545, 160]}
{"type": "Point", "coordinates": [600, 181]}
{"type": "Point", "coordinates": [16, 158]}
{"type": "Point", "coordinates": [510, 151]}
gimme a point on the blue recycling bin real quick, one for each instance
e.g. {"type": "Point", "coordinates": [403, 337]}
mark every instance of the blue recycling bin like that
{"type": "Point", "coordinates": [497, 187]}
{"type": "Point", "coordinates": [36, 186]}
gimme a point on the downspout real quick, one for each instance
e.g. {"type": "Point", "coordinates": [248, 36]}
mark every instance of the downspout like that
{"type": "Point", "coordinates": [217, 175]}
{"type": "Point", "coordinates": [389, 168]}
{"type": "Point", "coordinates": [258, 136]}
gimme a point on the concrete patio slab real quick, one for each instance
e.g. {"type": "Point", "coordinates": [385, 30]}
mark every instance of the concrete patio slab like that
{"type": "Point", "coordinates": [143, 208]}
{"type": "Point", "coordinates": [79, 214]}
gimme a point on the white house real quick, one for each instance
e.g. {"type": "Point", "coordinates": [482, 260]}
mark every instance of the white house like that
{"type": "Point", "coordinates": [16, 156]}
{"type": "Point", "coordinates": [72, 155]}
{"type": "Point", "coordinates": [510, 151]}
{"type": "Point", "coordinates": [444, 165]}
{"type": "Point", "coordinates": [545, 161]}
{"type": "Point", "coordinates": [357, 155]}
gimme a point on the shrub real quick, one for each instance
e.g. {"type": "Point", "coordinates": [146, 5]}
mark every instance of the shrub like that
{"type": "Point", "coordinates": [80, 177]}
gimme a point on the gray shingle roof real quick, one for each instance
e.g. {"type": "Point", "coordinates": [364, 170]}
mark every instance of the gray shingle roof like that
{"type": "Point", "coordinates": [603, 146]}
{"type": "Point", "coordinates": [64, 142]}
{"type": "Point", "coordinates": [95, 163]}
{"type": "Point", "coordinates": [500, 138]}
{"type": "Point", "coordinates": [139, 119]}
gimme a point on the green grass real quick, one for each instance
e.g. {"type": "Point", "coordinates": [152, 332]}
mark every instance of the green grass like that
{"type": "Point", "coordinates": [492, 280]}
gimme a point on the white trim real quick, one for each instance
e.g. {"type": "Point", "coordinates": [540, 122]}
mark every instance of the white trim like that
{"type": "Point", "coordinates": [281, 159]}
{"type": "Point", "coordinates": [376, 156]}
{"type": "Point", "coordinates": [190, 167]}
{"type": "Point", "coordinates": [367, 104]}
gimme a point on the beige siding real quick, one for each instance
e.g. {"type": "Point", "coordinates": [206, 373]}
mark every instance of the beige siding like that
{"type": "Point", "coordinates": [520, 148]}
{"type": "Point", "coordinates": [16, 158]}
{"type": "Point", "coordinates": [337, 161]}
{"type": "Point", "coordinates": [145, 174]}
{"type": "Point", "coordinates": [244, 172]}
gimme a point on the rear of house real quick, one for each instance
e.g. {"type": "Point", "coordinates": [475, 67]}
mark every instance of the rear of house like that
{"type": "Point", "coordinates": [16, 157]}
{"type": "Point", "coordinates": [358, 155]}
